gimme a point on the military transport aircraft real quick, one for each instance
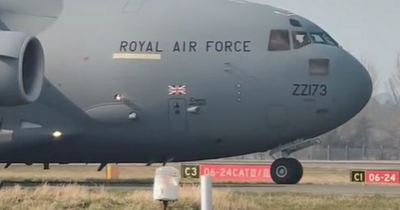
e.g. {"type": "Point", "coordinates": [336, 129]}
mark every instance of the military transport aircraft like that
{"type": "Point", "coordinates": [150, 81]}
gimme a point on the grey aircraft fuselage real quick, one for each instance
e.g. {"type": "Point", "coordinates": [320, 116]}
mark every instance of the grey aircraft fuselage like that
{"type": "Point", "coordinates": [237, 96]}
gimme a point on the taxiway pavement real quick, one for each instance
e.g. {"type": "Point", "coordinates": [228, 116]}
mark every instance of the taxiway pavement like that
{"type": "Point", "coordinates": [314, 189]}
{"type": "Point", "coordinates": [351, 189]}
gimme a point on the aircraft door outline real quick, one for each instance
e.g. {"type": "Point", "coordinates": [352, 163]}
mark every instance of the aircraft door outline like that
{"type": "Point", "coordinates": [177, 119]}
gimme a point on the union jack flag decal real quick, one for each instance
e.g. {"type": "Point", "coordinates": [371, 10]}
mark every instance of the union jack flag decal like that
{"type": "Point", "coordinates": [177, 89]}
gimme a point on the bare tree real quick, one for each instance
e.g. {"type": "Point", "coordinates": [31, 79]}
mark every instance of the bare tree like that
{"type": "Point", "coordinates": [375, 77]}
{"type": "Point", "coordinates": [394, 82]}
{"type": "Point", "coordinates": [392, 121]}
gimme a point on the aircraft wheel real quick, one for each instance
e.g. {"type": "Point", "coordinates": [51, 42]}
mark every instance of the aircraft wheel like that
{"type": "Point", "coordinates": [286, 171]}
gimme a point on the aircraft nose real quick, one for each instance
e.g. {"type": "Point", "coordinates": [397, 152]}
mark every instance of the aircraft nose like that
{"type": "Point", "coordinates": [358, 84]}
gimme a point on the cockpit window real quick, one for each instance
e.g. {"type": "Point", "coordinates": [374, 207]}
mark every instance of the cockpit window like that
{"type": "Point", "coordinates": [300, 39]}
{"type": "Point", "coordinates": [279, 40]}
{"type": "Point", "coordinates": [323, 38]}
{"type": "Point", "coordinates": [317, 38]}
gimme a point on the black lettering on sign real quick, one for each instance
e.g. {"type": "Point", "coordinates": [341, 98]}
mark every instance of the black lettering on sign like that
{"type": "Point", "coordinates": [309, 89]}
{"type": "Point", "coordinates": [140, 46]}
{"type": "Point", "coordinates": [357, 176]}
{"type": "Point", "coordinates": [228, 46]}
{"type": "Point", "coordinates": [190, 171]}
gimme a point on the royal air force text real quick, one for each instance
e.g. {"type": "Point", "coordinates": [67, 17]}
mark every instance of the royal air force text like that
{"type": "Point", "coordinates": [185, 46]}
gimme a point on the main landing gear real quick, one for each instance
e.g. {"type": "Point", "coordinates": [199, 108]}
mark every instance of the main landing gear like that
{"type": "Point", "coordinates": [286, 170]}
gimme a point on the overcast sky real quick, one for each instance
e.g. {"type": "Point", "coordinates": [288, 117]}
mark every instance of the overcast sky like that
{"type": "Point", "coordinates": [366, 28]}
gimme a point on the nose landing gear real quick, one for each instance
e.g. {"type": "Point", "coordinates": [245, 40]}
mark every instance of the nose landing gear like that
{"type": "Point", "coordinates": [287, 170]}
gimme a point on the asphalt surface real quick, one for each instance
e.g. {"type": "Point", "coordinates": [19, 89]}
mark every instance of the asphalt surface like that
{"type": "Point", "coordinates": [363, 164]}
{"type": "Point", "coordinates": [351, 164]}
{"type": "Point", "coordinates": [353, 189]}
{"type": "Point", "coordinates": [316, 189]}
{"type": "Point", "coordinates": [327, 189]}
{"type": "Point", "coordinates": [320, 164]}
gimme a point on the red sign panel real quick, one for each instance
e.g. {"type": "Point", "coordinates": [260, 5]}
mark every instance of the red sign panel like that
{"type": "Point", "coordinates": [382, 177]}
{"type": "Point", "coordinates": [237, 172]}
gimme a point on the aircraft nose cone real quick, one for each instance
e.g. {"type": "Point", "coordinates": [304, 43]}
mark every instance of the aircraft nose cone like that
{"type": "Point", "coordinates": [365, 83]}
{"type": "Point", "coordinates": [359, 85]}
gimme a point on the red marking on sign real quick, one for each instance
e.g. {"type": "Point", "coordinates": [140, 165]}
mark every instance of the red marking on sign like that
{"type": "Point", "coordinates": [237, 172]}
{"type": "Point", "coordinates": [382, 177]}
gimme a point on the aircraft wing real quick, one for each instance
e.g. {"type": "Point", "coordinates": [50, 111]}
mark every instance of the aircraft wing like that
{"type": "Point", "coordinates": [32, 16]}
{"type": "Point", "coordinates": [51, 110]}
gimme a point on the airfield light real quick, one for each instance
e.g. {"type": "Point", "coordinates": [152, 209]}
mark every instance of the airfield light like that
{"type": "Point", "coordinates": [57, 134]}
{"type": "Point", "coordinates": [166, 185]}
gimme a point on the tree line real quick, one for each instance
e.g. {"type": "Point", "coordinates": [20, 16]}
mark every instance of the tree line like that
{"type": "Point", "coordinates": [378, 124]}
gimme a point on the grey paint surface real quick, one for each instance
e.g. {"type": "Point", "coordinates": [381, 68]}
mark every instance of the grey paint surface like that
{"type": "Point", "coordinates": [249, 102]}
{"type": "Point", "coordinates": [351, 27]}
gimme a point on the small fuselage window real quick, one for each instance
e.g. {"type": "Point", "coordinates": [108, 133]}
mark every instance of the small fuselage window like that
{"type": "Point", "coordinates": [279, 40]}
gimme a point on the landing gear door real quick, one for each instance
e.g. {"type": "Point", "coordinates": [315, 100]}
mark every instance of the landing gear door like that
{"type": "Point", "coordinates": [177, 115]}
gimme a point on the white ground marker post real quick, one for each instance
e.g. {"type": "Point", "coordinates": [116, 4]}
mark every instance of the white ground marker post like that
{"type": "Point", "coordinates": [166, 185]}
{"type": "Point", "coordinates": [206, 192]}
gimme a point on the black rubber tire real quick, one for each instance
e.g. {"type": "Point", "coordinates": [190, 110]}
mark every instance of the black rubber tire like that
{"type": "Point", "coordinates": [294, 171]}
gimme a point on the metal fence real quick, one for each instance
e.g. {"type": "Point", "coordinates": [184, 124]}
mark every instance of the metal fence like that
{"type": "Point", "coordinates": [335, 153]}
